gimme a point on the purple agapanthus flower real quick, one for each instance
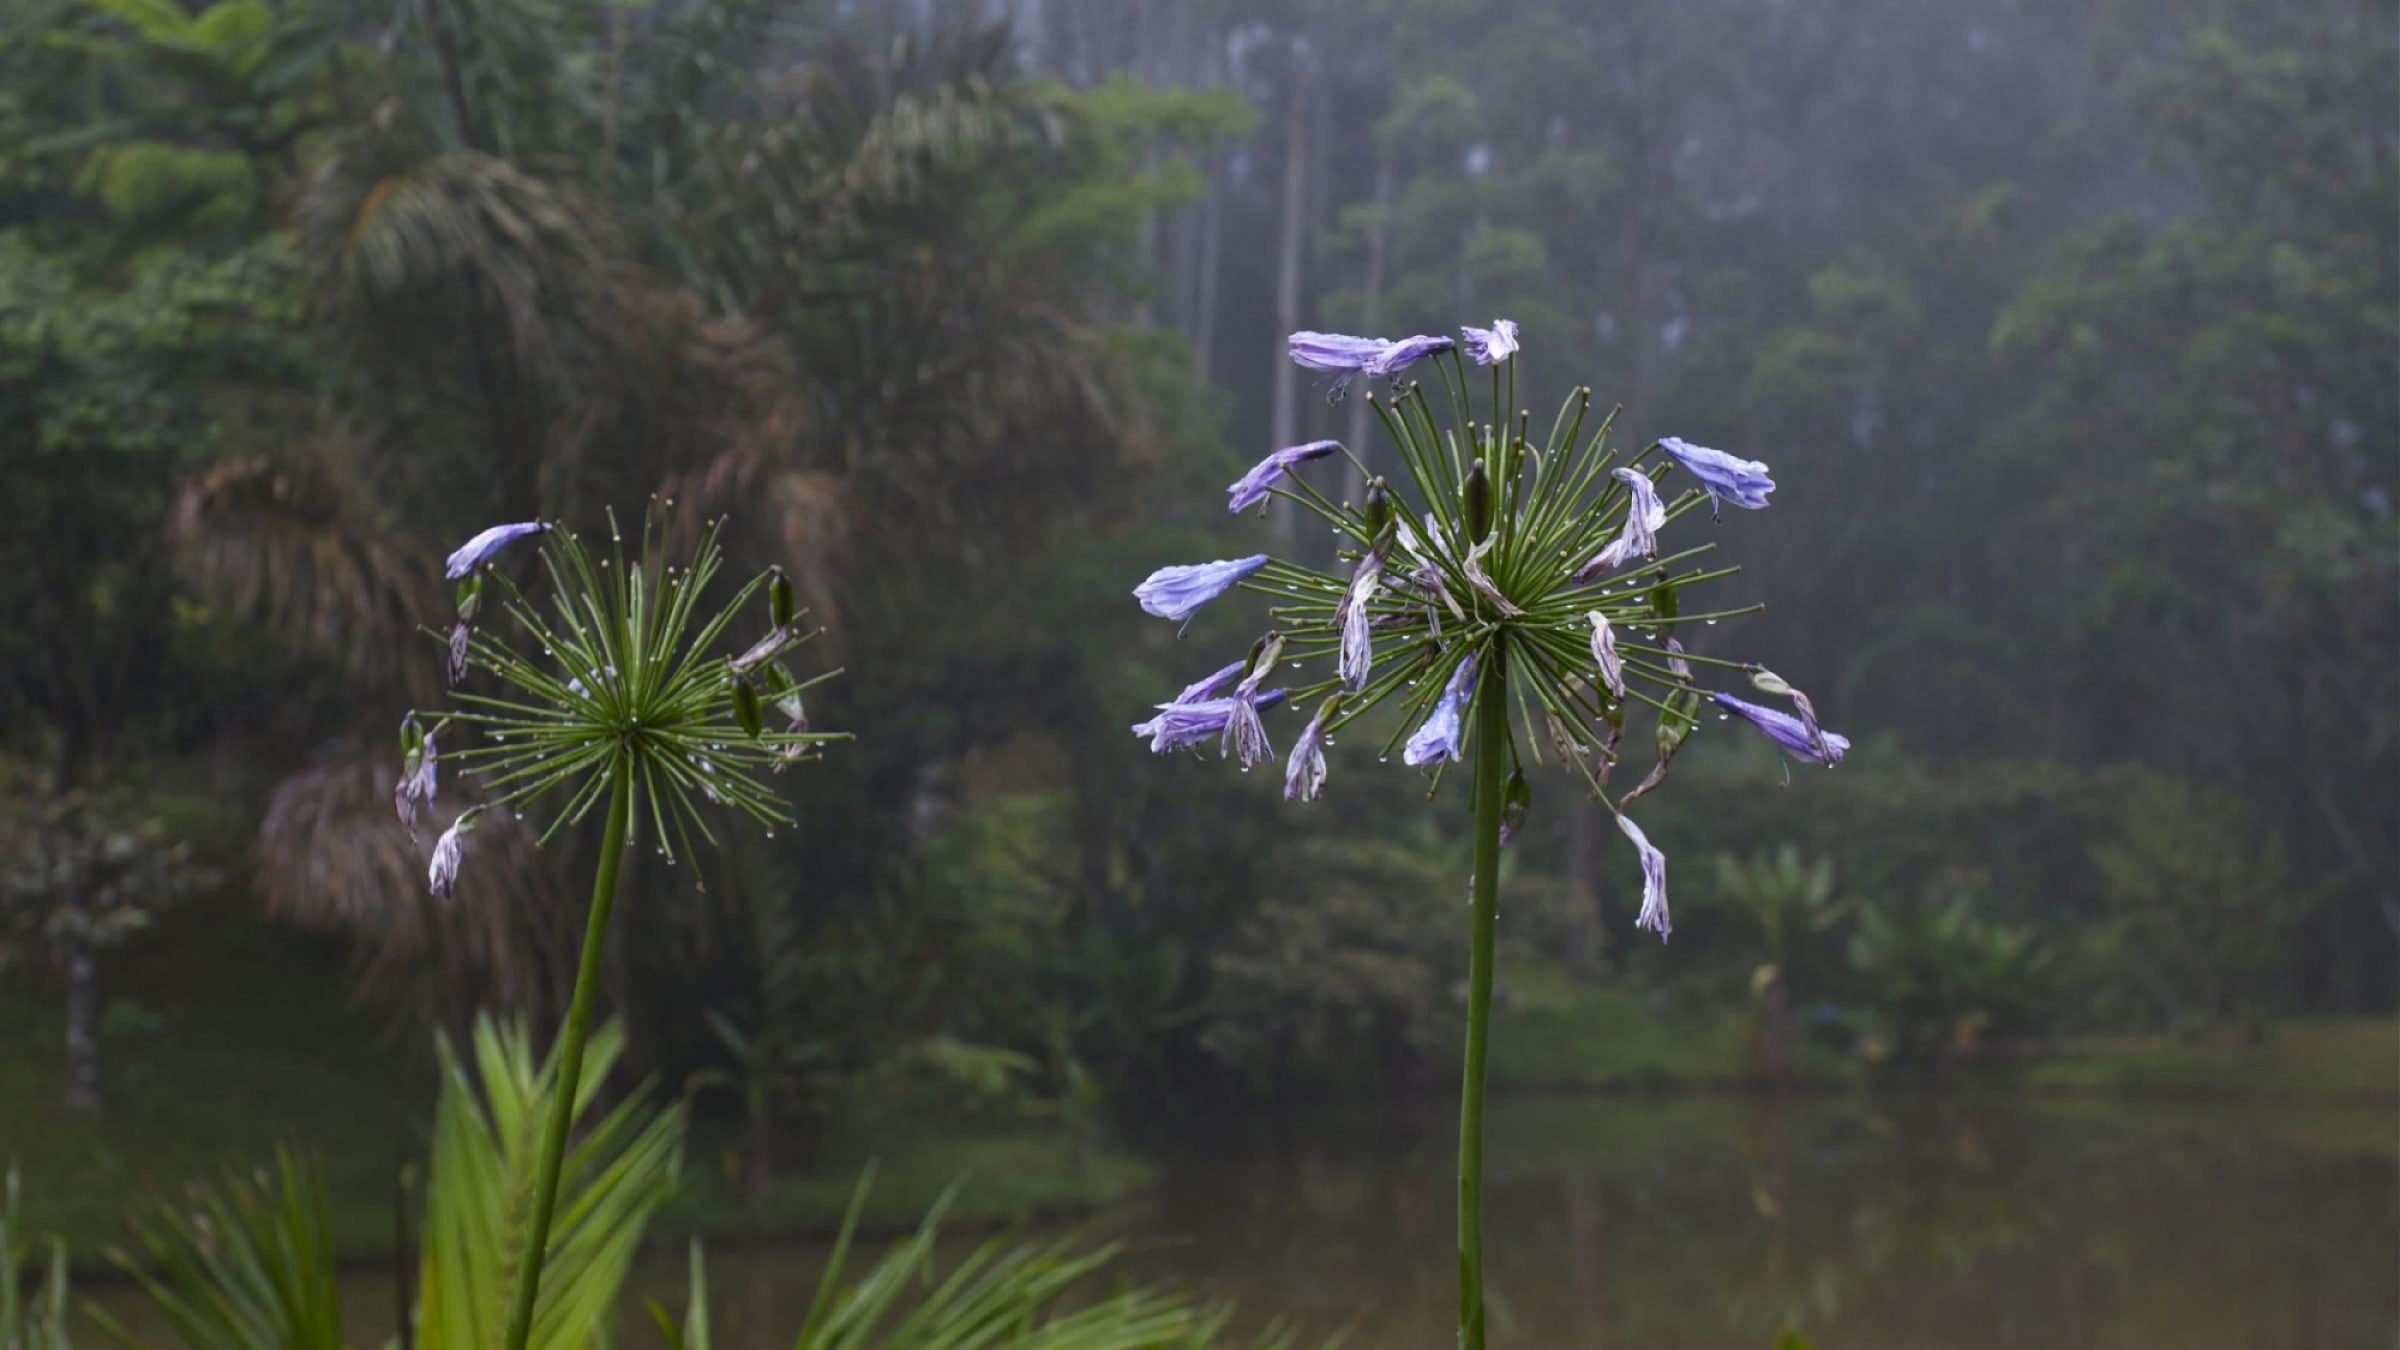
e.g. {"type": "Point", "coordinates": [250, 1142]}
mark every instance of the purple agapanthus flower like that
{"type": "Point", "coordinates": [1493, 345]}
{"type": "Point", "coordinates": [1728, 478]}
{"type": "Point", "coordinates": [414, 791]}
{"type": "Point", "coordinates": [1345, 357]}
{"type": "Point", "coordinates": [1789, 733]}
{"type": "Point", "coordinates": [1398, 356]}
{"type": "Point", "coordinates": [479, 550]}
{"type": "Point", "coordinates": [1251, 488]}
{"type": "Point", "coordinates": [1182, 725]}
{"type": "Point", "coordinates": [1304, 772]}
{"type": "Point", "coordinates": [1178, 592]}
{"type": "Point", "coordinates": [1645, 516]}
{"type": "Point", "coordinates": [1358, 639]}
{"type": "Point", "coordinates": [1654, 914]}
{"type": "Point", "coordinates": [1440, 737]}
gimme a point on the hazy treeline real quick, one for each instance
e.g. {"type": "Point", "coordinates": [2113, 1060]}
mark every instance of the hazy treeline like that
{"type": "Point", "coordinates": [2067, 329]}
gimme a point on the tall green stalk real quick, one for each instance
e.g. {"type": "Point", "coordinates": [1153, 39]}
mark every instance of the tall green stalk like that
{"type": "Point", "coordinates": [1491, 764]}
{"type": "Point", "coordinates": [570, 1059]}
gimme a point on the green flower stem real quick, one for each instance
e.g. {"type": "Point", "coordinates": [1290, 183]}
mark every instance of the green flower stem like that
{"type": "Point", "coordinates": [1491, 762]}
{"type": "Point", "coordinates": [565, 1087]}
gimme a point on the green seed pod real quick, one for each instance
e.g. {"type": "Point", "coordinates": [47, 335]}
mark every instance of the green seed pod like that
{"type": "Point", "coordinates": [779, 598]}
{"type": "Point", "coordinates": [1479, 503]}
{"type": "Point", "coordinates": [1516, 802]}
{"type": "Point", "coordinates": [470, 598]}
{"type": "Point", "coordinates": [1378, 510]}
{"type": "Point", "coordinates": [745, 706]}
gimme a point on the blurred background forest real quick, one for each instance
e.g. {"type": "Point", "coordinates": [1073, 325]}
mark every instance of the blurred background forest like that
{"type": "Point", "coordinates": [2071, 331]}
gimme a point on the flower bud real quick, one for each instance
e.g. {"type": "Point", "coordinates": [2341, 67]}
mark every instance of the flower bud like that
{"type": "Point", "coordinates": [1516, 801]}
{"type": "Point", "coordinates": [779, 598]}
{"type": "Point", "coordinates": [745, 706]}
{"type": "Point", "coordinates": [1479, 502]}
{"type": "Point", "coordinates": [1264, 653]}
{"type": "Point", "coordinates": [1378, 511]}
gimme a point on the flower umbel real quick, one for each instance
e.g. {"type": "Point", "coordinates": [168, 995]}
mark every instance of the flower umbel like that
{"type": "Point", "coordinates": [624, 672]}
{"type": "Point", "coordinates": [1534, 606]}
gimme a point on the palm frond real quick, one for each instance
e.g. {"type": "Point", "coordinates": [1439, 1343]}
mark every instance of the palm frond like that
{"type": "Point", "coordinates": [292, 547]}
{"type": "Point", "coordinates": [246, 1262]}
{"type": "Point", "coordinates": [331, 857]}
{"type": "Point", "coordinates": [622, 1168]}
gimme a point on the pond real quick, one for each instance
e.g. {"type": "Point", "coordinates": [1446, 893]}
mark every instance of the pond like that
{"type": "Point", "coordinates": [1711, 1221]}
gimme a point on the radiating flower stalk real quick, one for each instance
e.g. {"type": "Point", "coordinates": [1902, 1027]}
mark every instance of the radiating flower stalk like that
{"type": "Point", "coordinates": [624, 694]}
{"type": "Point", "coordinates": [1506, 594]}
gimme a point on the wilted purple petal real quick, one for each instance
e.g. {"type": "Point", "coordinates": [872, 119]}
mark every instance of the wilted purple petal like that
{"type": "Point", "coordinates": [1180, 726]}
{"type": "Point", "coordinates": [1358, 640]}
{"type": "Point", "coordinates": [1178, 592]}
{"type": "Point", "coordinates": [1493, 345]}
{"type": "Point", "coordinates": [1654, 914]}
{"type": "Point", "coordinates": [414, 791]}
{"type": "Point", "coordinates": [1728, 478]}
{"type": "Point", "coordinates": [1335, 352]}
{"type": "Point", "coordinates": [1251, 488]}
{"type": "Point", "coordinates": [479, 550]}
{"type": "Point", "coordinates": [1398, 356]}
{"type": "Point", "coordinates": [458, 650]}
{"type": "Point", "coordinates": [1304, 772]}
{"type": "Point", "coordinates": [1676, 665]}
{"type": "Point", "coordinates": [449, 851]}
{"type": "Point", "coordinates": [1645, 516]}
{"type": "Point", "coordinates": [1212, 685]}
{"type": "Point", "coordinates": [1824, 748]}
{"type": "Point", "coordinates": [1439, 738]}
{"type": "Point", "coordinates": [1482, 581]}
{"type": "Point", "coordinates": [1773, 683]}
{"type": "Point", "coordinates": [1604, 654]}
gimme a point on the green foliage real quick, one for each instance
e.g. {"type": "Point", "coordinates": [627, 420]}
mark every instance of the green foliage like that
{"type": "Point", "coordinates": [2196, 910]}
{"type": "Point", "coordinates": [1939, 979]}
{"type": "Point", "coordinates": [621, 1167]}
{"type": "Point", "coordinates": [1034, 1295]}
{"type": "Point", "coordinates": [94, 867]}
{"type": "Point", "coordinates": [245, 1263]}
{"type": "Point", "coordinates": [32, 1317]}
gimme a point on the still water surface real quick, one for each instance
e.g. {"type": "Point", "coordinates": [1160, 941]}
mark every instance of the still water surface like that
{"type": "Point", "coordinates": [1712, 1221]}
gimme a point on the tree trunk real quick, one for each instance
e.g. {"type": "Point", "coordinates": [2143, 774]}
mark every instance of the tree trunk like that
{"type": "Point", "coordinates": [1212, 258]}
{"type": "Point", "coordinates": [1370, 319]}
{"type": "Point", "coordinates": [1289, 254]}
{"type": "Point", "coordinates": [83, 1012]}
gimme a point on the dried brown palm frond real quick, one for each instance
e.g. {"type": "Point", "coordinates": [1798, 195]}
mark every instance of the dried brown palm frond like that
{"type": "Point", "coordinates": [330, 857]}
{"type": "Point", "coordinates": [399, 238]}
{"type": "Point", "coordinates": [294, 546]}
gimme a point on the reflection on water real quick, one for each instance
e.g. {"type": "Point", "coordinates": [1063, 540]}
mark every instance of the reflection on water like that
{"type": "Point", "coordinates": [1710, 1222]}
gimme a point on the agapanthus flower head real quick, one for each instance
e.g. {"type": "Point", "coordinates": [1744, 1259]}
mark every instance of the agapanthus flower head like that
{"type": "Point", "coordinates": [1488, 563]}
{"type": "Point", "coordinates": [1493, 345]}
{"type": "Point", "coordinates": [1253, 487]}
{"type": "Point", "coordinates": [486, 545]}
{"type": "Point", "coordinates": [1178, 592]}
{"type": "Point", "coordinates": [622, 671]}
{"type": "Point", "coordinates": [1726, 478]}
{"type": "Point", "coordinates": [1801, 740]}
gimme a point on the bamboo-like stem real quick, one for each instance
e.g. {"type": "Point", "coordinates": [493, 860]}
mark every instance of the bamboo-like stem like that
{"type": "Point", "coordinates": [1491, 760]}
{"type": "Point", "coordinates": [565, 1086]}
